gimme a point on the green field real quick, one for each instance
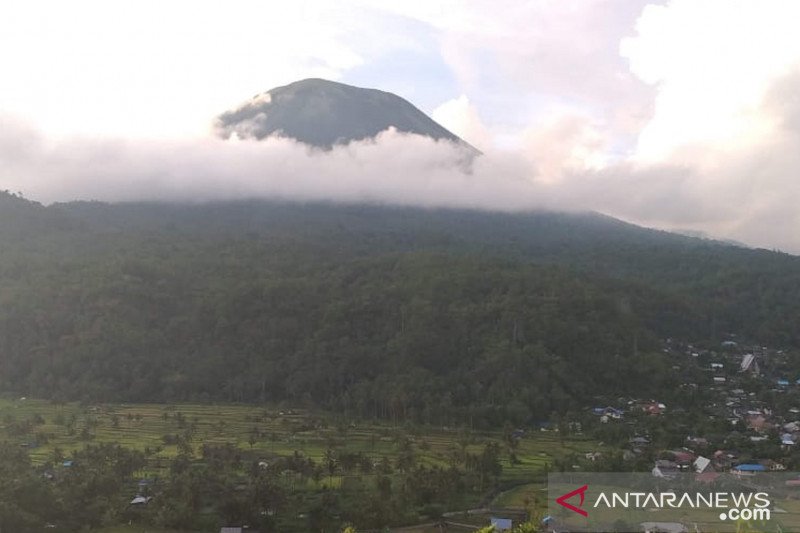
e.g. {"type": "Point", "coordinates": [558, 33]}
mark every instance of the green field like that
{"type": "Point", "coordinates": [519, 497]}
{"type": "Point", "coordinates": [50, 432]}
{"type": "Point", "coordinates": [45, 427]}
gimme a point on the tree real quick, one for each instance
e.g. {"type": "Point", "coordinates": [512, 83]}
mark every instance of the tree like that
{"type": "Point", "coordinates": [330, 463]}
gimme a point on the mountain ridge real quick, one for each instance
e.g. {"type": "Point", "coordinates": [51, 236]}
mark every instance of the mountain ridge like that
{"type": "Point", "coordinates": [324, 114]}
{"type": "Point", "coordinates": [356, 305]}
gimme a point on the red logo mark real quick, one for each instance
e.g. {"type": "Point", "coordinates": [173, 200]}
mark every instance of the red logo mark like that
{"type": "Point", "coordinates": [562, 500]}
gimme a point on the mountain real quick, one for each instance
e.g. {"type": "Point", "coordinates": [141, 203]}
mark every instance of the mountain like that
{"type": "Point", "coordinates": [324, 113]}
{"type": "Point", "coordinates": [413, 314]}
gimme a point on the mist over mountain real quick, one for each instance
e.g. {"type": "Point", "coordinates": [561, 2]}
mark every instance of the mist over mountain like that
{"type": "Point", "coordinates": [324, 113]}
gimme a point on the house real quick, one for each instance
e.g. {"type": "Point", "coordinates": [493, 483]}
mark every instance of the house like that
{"type": "Point", "coordinates": [783, 382]}
{"type": "Point", "coordinates": [791, 427]}
{"type": "Point", "coordinates": [665, 469]}
{"type": "Point", "coordinates": [757, 422]}
{"type": "Point", "coordinates": [749, 469]}
{"type": "Point", "coordinates": [723, 459]}
{"type": "Point", "coordinates": [501, 524]}
{"type": "Point", "coordinates": [663, 527]}
{"type": "Point", "coordinates": [141, 500]}
{"type": "Point", "coordinates": [699, 442]}
{"type": "Point", "coordinates": [653, 408]}
{"type": "Point", "coordinates": [609, 412]}
{"type": "Point", "coordinates": [749, 364]}
{"type": "Point", "coordinates": [701, 464]}
{"type": "Point", "coordinates": [773, 466]}
{"type": "Point", "coordinates": [682, 458]}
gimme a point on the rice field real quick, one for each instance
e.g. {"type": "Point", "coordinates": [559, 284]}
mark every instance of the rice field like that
{"type": "Point", "coordinates": [50, 432]}
{"type": "Point", "coordinates": [44, 427]}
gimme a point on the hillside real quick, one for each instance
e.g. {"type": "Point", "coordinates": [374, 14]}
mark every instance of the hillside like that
{"type": "Point", "coordinates": [324, 113]}
{"type": "Point", "coordinates": [431, 315]}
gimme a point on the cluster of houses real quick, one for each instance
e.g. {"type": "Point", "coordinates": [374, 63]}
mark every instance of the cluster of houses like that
{"type": "Point", "coordinates": [708, 469]}
{"type": "Point", "coordinates": [650, 407]}
{"type": "Point", "coordinates": [751, 387]}
{"type": "Point", "coordinates": [753, 414]}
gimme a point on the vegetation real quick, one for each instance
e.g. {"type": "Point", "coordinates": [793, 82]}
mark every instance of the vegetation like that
{"type": "Point", "coordinates": [80, 467]}
{"type": "Point", "coordinates": [430, 337]}
{"type": "Point", "coordinates": [442, 317]}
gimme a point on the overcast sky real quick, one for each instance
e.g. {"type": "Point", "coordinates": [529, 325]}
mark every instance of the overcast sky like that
{"type": "Point", "coordinates": [680, 114]}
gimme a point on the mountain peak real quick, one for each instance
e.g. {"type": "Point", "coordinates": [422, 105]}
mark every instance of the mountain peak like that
{"type": "Point", "coordinates": [324, 113]}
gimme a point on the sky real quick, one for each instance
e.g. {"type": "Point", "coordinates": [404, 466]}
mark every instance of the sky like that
{"type": "Point", "coordinates": [676, 114]}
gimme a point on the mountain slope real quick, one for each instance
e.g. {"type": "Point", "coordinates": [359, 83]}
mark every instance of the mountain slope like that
{"type": "Point", "coordinates": [324, 113]}
{"type": "Point", "coordinates": [431, 315]}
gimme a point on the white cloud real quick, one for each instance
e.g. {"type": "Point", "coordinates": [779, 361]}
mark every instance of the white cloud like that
{"type": "Point", "coordinates": [461, 117]}
{"type": "Point", "coordinates": [413, 170]}
{"type": "Point", "coordinates": [146, 68]}
{"type": "Point", "coordinates": [564, 145]}
{"type": "Point", "coordinates": [679, 113]}
{"type": "Point", "coordinates": [712, 62]}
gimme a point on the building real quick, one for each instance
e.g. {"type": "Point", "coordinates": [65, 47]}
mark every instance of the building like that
{"type": "Point", "coordinates": [663, 527]}
{"type": "Point", "coordinates": [749, 364]}
{"type": "Point", "coordinates": [501, 524]}
{"type": "Point", "coordinates": [749, 469]}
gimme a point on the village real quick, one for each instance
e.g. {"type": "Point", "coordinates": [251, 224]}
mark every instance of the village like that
{"type": "Point", "coordinates": [736, 409]}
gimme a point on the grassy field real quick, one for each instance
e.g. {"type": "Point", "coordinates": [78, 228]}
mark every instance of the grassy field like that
{"type": "Point", "coordinates": [53, 431]}
{"type": "Point", "coordinates": [44, 427]}
{"type": "Point", "coordinates": [521, 497]}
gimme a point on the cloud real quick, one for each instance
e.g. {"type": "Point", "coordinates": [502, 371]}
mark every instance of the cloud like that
{"type": "Point", "coordinates": [711, 63]}
{"type": "Point", "coordinates": [748, 195]}
{"type": "Point", "coordinates": [394, 168]}
{"type": "Point", "coordinates": [461, 117]}
{"type": "Point", "coordinates": [724, 115]}
{"type": "Point", "coordinates": [678, 113]}
{"type": "Point", "coordinates": [146, 68]}
{"type": "Point", "coordinates": [524, 60]}
{"type": "Point", "coordinates": [565, 144]}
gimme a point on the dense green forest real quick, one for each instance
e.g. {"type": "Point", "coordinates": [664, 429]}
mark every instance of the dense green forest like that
{"type": "Point", "coordinates": [435, 316]}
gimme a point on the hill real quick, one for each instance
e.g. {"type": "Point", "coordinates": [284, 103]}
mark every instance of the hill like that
{"type": "Point", "coordinates": [324, 113]}
{"type": "Point", "coordinates": [400, 313]}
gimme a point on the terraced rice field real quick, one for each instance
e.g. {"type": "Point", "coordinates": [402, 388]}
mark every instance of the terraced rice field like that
{"type": "Point", "coordinates": [44, 428]}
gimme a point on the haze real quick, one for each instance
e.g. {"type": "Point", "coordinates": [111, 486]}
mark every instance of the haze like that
{"type": "Point", "coordinates": [678, 115]}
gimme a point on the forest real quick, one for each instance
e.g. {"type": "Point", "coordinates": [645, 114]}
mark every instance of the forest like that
{"type": "Point", "coordinates": [380, 312]}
